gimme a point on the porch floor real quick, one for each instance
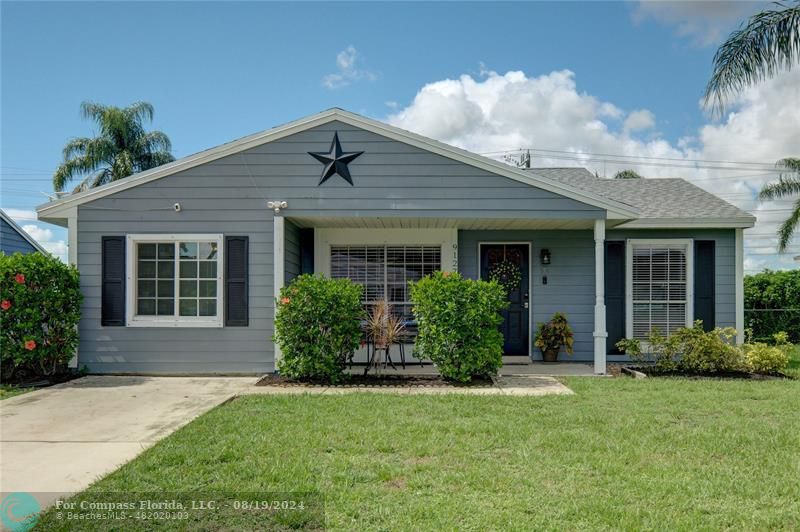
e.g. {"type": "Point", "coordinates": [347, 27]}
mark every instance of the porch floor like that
{"type": "Point", "coordinates": [549, 369]}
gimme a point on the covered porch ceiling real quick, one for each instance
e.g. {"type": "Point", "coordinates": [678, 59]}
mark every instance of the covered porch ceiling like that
{"type": "Point", "coordinates": [354, 222]}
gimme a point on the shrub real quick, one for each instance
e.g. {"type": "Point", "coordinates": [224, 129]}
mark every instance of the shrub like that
{"type": "Point", "coordinates": [768, 292]}
{"type": "Point", "coordinates": [764, 358]}
{"type": "Point", "coordinates": [689, 349]}
{"type": "Point", "coordinates": [317, 326]}
{"type": "Point", "coordinates": [708, 352]}
{"type": "Point", "coordinates": [458, 323]}
{"type": "Point", "coordinates": [40, 302]}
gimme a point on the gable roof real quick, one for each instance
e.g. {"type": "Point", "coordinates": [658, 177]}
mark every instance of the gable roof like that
{"type": "Point", "coordinates": [21, 232]}
{"type": "Point", "coordinates": [661, 202]}
{"type": "Point", "coordinates": [61, 208]}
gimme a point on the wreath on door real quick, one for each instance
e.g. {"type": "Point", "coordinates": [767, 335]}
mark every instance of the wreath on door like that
{"type": "Point", "coordinates": [507, 274]}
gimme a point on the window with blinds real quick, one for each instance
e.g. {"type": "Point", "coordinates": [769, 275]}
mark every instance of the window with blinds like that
{"type": "Point", "coordinates": [385, 271]}
{"type": "Point", "coordinates": [659, 287]}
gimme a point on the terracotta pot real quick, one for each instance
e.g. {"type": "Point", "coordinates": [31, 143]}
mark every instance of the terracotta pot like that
{"type": "Point", "coordinates": [550, 355]}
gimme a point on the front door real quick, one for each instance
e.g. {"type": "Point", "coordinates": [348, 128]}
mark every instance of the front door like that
{"type": "Point", "coordinates": [508, 263]}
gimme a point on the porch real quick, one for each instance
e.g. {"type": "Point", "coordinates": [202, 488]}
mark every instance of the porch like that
{"type": "Point", "coordinates": [542, 369]}
{"type": "Point", "coordinates": [561, 269]}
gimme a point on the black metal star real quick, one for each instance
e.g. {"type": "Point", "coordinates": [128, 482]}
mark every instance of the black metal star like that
{"type": "Point", "coordinates": [335, 161]}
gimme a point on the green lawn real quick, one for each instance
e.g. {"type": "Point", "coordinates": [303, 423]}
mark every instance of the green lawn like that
{"type": "Point", "coordinates": [7, 390]}
{"type": "Point", "coordinates": [669, 454]}
{"type": "Point", "coordinates": [794, 362]}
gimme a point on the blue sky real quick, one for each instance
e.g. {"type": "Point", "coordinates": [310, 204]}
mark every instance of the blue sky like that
{"type": "Point", "coordinates": [215, 72]}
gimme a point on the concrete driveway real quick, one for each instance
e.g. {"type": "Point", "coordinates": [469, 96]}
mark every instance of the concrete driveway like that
{"type": "Point", "coordinates": [60, 439]}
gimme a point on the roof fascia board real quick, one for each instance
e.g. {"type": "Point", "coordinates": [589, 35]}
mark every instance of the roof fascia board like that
{"type": "Point", "coordinates": [689, 223]}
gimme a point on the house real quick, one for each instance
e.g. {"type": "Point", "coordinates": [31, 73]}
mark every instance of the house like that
{"type": "Point", "coordinates": [180, 265]}
{"type": "Point", "coordinates": [14, 239]}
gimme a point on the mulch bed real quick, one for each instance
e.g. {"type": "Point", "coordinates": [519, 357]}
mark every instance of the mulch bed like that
{"type": "Point", "coordinates": [41, 382]}
{"type": "Point", "coordinates": [393, 381]}
{"type": "Point", "coordinates": [652, 371]}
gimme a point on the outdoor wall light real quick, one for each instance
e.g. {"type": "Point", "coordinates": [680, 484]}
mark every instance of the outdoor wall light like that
{"type": "Point", "coordinates": [277, 205]}
{"type": "Point", "coordinates": [545, 256]}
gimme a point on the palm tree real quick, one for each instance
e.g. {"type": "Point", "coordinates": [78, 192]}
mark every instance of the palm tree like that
{"type": "Point", "coordinates": [787, 184]}
{"type": "Point", "coordinates": [768, 44]}
{"type": "Point", "coordinates": [627, 174]}
{"type": "Point", "coordinates": [122, 148]}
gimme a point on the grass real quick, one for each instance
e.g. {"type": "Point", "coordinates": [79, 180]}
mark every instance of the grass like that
{"type": "Point", "coordinates": [794, 362]}
{"type": "Point", "coordinates": [8, 390]}
{"type": "Point", "coordinates": [668, 454]}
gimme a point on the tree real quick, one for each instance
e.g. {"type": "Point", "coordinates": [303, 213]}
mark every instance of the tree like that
{"type": "Point", "coordinates": [122, 148]}
{"type": "Point", "coordinates": [627, 174]}
{"type": "Point", "coordinates": [768, 44]}
{"type": "Point", "coordinates": [788, 184]}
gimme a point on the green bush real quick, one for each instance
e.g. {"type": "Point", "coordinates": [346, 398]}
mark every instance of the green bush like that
{"type": "Point", "coordinates": [767, 292]}
{"type": "Point", "coordinates": [318, 327]}
{"type": "Point", "coordinates": [714, 351]}
{"type": "Point", "coordinates": [689, 349]}
{"type": "Point", "coordinates": [763, 358]}
{"type": "Point", "coordinates": [40, 303]}
{"type": "Point", "coordinates": [458, 323]}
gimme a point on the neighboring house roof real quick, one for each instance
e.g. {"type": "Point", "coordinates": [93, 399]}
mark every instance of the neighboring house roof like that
{"type": "Point", "coordinates": [10, 245]}
{"type": "Point", "coordinates": [661, 202]}
{"type": "Point", "coordinates": [58, 210]}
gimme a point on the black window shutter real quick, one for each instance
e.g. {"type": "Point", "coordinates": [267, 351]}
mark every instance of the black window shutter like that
{"type": "Point", "coordinates": [113, 281]}
{"type": "Point", "coordinates": [615, 294]}
{"type": "Point", "coordinates": [704, 281]}
{"type": "Point", "coordinates": [307, 250]}
{"type": "Point", "coordinates": [237, 311]}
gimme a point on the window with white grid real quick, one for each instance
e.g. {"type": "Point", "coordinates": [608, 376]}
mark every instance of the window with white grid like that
{"type": "Point", "coordinates": [385, 271]}
{"type": "Point", "coordinates": [659, 286]}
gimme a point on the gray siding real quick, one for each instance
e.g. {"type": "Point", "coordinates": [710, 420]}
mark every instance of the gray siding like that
{"type": "Point", "coordinates": [11, 241]}
{"type": "Point", "coordinates": [229, 196]}
{"type": "Point", "coordinates": [570, 276]}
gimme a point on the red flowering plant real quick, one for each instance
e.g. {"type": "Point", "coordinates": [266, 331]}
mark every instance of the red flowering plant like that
{"type": "Point", "coordinates": [40, 301]}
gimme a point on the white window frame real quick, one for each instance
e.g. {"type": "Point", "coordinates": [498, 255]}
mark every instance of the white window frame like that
{"type": "Point", "coordinates": [133, 320]}
{"type": "Point", "coordinates": [688, 243]}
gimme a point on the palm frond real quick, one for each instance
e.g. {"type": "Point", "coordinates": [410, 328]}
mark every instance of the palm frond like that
{"type": "Point", "coordinates": [75, 147]}
{"type": "Point", "coordinates": [769, 43]}
{"type": "Point", "coordinates": [153, 141]}
{"type": "Point", "coordinates": [788, 227]}
{"type": "Point", "coordinates": [93, 111]}
{"type": "Point", "coordinates": [784, 186]}
{"type": "Point", "coordinates": [139, 112]}
{"type": "Point", "coordinates": [72, 168]}
{"type": "Point", "coordinates": [790, 164]}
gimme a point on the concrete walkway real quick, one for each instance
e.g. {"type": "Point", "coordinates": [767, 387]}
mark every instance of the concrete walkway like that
{"type": "Point", "coordinates": [60, 439]}
{"type": "Point", "coordinates": [503, 385]}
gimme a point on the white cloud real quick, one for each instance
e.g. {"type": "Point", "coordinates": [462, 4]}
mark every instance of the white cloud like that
{"type": "Point", "coordinates": [44, 236]}
{"type": "Point", "coordinates": [348, 71]}
{"type": "Point", "coordinates": [704, 22]}
{"type": "Point", "coordinates": [501, 112]}
{"type": "Point", "coordinates": [639, 120]}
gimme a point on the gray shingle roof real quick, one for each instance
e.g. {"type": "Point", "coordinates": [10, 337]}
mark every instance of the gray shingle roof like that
{"type": "Point", "coordinates": [654, 198]}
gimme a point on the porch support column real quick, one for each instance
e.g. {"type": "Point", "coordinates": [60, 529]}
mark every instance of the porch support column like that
{"type": "Point", "coordinates": [600, 333]}
{"type": "Point", "coordinates": [278, 261]}
{"type": "Point", "coordinates": [72, 257]}
{"type": "Point", "coordinates": [739, 291]}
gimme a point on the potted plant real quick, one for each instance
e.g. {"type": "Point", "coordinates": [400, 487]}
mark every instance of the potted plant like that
{"type": "Point", "coordinates": [552, 335]}
{"type": "Point", "coordinates": [383, 329]}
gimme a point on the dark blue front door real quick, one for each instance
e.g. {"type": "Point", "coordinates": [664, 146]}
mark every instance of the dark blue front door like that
{"type": "Point", "coordinates": [516, 318]}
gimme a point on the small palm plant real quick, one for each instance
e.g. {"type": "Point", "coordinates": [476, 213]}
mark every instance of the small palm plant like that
{"type": "Point", "coordinates": [384, 328]}
{"type": "Point", "coordinates": [121, 149]}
